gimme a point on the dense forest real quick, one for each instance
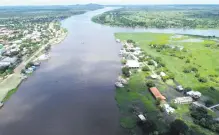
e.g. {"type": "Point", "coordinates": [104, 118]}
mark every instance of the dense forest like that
{"type": "Point", "coordinates": [181, 16]}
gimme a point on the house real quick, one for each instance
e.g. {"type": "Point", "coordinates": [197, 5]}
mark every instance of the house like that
{"type": "Point", "coordinates": [183, 100]}
{"type": "Point", "coordinates": [194, 94]}
{"type": "Point", "coordinates": [156, 93]}
{"type": "Point", "coordinates": [154, 76]}
{"type": "Point", "coordinates": [168, 109]}
{"type": "Point", "coordinates": [133, 64]}
{"type": "Point", "coordinates": [162, 74]}
{"type": "Point", "coordinates": [179, 88]}
{"type": "Point", "coordinates": [10, 60]}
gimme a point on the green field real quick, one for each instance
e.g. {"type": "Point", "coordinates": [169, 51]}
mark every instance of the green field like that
{"type": "Point", "coordinates": [175, 16]}
{"type": "Point", "coordinates": [202, 53]}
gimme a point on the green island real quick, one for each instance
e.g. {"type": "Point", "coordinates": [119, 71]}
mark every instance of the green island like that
{"type": "Point", "coordinates": [188, 61]}
{"type": "Point", "coordinates": [162, 16]}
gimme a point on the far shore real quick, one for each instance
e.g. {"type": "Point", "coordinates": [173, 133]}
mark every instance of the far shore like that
{"type": "Point", "coordinates": [14, 80]}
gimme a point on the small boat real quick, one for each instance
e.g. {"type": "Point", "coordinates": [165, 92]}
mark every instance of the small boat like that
{"type": "Point", "coordinates": [118, 40]}
{"type": "Point", "coordinates": [119, 85]}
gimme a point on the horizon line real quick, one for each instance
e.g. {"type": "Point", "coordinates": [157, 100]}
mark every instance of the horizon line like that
{"type": "Point", "coordinates": [137, 4]}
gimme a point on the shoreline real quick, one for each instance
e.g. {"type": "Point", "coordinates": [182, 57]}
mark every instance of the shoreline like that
{"type": "Point", "coordinates": [13, 81]}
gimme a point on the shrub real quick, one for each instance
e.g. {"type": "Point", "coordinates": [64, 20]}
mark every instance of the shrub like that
{"type": "Point", "coordinates": [145, 68]}
{"type": "Point", "coordinates": [125, 71]}
{"type": "Point", "coordinates": [164, 78]}
{"type": "Point", "coordinates": [209, 103]}
{"type": "Point", "coordinates": [202, 79]}
{"type": "Point", "coordinates": [123, 61]}
{"type": "Point", "coordinates": [187, 61]}
{"type": "Point", "coordinates": [194, 69]}
{"type": "Point", "coordinates": [187, 89]}
{"type": "Point", "coordinates": [130, 41]}
{"type": "Point", "coordinates": [150, 84]}
{"type": "Point", "coordinates": [150, 62]}
{"type": "Point", "coordinates": [187, 70]}
{"type": "Point", "coordinates": [197, 75]}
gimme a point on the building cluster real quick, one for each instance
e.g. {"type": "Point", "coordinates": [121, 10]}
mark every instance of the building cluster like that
{"type": "Point", "coordinates": [19, 42]}
{"type": "Point", "coordinates": [131, 54]}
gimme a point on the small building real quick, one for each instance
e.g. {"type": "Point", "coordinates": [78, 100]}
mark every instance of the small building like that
{"type": "Point", "coordinates": [162, 74]}
{"type": "Point", "coordinates": [133, 64]}
{"type": "Point", "coordinates": [154, 76]}
{"type": "Point", "coordinates": [168, 109]}
{"type": "Point", "coordinates": [179, 88]}
{"type": "Point", "coordinates": [156, 93]}
{"type": "Point", "coordinates": [141, 117]}
{"type": "Point", "coordinates": [194, 94]}
{"type": "Point", "coordinates": [183, 100]}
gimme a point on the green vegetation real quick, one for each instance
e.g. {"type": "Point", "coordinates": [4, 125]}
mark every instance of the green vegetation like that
{"type": "Point", "coordinates": [203, 118]}
{"type": "Point", "coordinates": [178, 16]}
{"type": "Point", "coordinates": [172, 59]}
{"type": "Point", "coordinates": [9, 94]}
{"type": "Point", "coordinates": [202, 70]}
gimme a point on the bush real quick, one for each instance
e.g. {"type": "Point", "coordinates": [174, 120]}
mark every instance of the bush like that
{"type": "Point", "coordinates": [187, 89]}
{"type": "Point", "coordinates": [145, 68]}
{"type": "Point", "coordinates": [187, 70]}
{"type": "Point", "coordinates": [123, 61]}
{"type": "Point", "coordinates": [194, 69]}
{"type": "Point", "coordinates": [203, 80]}
{"type": "Point", "coordinates": [165, 78]}
{"type": "Point", "coordinates": [150, 62]}
{"type": "Point", "coordinates": [209, 103]}
{"type": "Point", "coordinates": [130, 41]}
{"type": "Point", "coordinates": [125, 71]}
{"type": "Point", "coordinates": [197, 75]}
{"type": "Point", "coordinates": [150, 84]}
{"type": "Point", "coordinates": [187, 61]}
{"type": "Point", "coordinates": [173, 105]}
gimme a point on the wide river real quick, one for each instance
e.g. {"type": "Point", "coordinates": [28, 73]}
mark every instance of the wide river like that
{"type": "Point", "coordinates": [73, 93]}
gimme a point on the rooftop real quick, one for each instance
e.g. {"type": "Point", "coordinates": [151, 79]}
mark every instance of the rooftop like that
{"type": "Point", "coordinates": [157, 93]}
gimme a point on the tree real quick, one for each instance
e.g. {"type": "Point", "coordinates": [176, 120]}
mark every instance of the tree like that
{"type": "Point", "coordinates": [125, 71]}
{"type": "Point", "coordinates": [150, 84]}
{"type": "Point", "coordinates": [178, 127]}
{"type": "Point", "coordinates": [209, 103]}
{"type": "Point", "coordinates": [150, 62]}
{"type": "Point", "coordinates": [202, 79]}
{"type": "Point", "coordinates": [145, 68]}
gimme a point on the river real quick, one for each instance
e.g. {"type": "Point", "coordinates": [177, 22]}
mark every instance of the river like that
{"type": "Point", "coordinates": [72, 93]}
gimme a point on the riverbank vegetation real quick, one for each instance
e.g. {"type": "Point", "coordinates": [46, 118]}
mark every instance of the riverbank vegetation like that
{"type": "Point", "coordinates": [9, 94]}
{"type": "Point", "coordinates": [190, 61]}
{"type": "Point", "coordinates": [177, 16]}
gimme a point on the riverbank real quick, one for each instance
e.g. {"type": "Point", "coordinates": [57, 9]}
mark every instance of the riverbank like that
{"type": "Point", "coordinates": [14, 80]}
{"type": "Point", "coordinates": [136, 97]}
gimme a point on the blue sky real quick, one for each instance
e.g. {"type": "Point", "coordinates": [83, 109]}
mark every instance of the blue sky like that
{"type": "Point", "coordinates": [67, 2]}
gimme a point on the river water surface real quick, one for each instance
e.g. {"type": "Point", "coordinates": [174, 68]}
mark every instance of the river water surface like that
{"type": "Point", "coordinates": [73, 93]}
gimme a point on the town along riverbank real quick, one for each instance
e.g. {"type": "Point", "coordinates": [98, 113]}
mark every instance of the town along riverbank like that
{"type": "Point", "coordinates": [14, 80]}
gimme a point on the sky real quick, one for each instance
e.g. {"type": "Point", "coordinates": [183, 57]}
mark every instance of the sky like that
{"type": "Point", "coordinates": [69, 2]}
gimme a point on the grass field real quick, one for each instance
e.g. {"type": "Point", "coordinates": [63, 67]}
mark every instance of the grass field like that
{"type": "Point", "coordinates": [135, 98]}
{"type": "Point", "coordinates": [202, 53]}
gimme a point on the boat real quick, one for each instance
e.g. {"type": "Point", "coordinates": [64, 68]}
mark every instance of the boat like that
{"type": "Point", "coordinates": [118, 40]}
{"type": "Point", "coordinates": [122, 80]}
{"type": "Point", "coordinates": [119, 85]}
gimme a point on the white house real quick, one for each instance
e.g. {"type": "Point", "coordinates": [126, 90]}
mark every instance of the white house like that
{"type": "Point", "coordinates": [194, 94]}
{"type": "Point", "coordinates": [133, 64]}
{"type": "Point", "coordinates": [183, 100]}
{"type": "Point", "coordinates": [168, 109]}
{"type": "Point", "coordinates": [179, 88]}
{"type": "Point", "coordinates": [162, 74]}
